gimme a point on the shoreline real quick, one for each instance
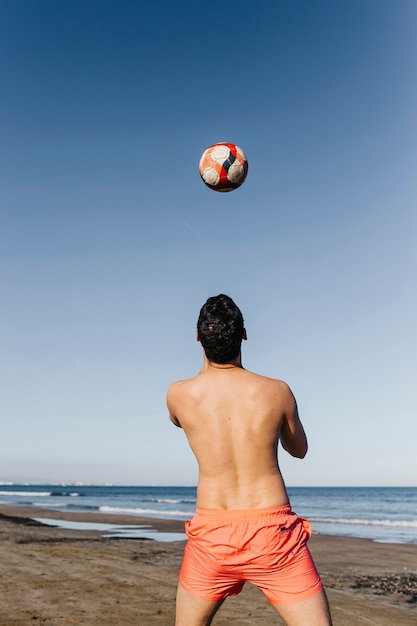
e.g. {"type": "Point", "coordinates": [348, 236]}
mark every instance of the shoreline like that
{"type": "Point", "coordinates": [28, 512]}
{"type": "Point", "coordinates": [57, 576]}
{"type": "Point", "coordinates": [159, 524]}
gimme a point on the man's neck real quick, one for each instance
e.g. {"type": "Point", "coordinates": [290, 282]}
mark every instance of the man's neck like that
{"type": "Point", "coordinates": [234, 364]}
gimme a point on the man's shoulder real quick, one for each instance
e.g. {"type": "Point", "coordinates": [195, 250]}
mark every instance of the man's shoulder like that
{"type": "Point", "coordinates": [274, 387]}
{"type": "Point", "coordinates": [268, 380]}
{"type": "Point", "coordinates": [181, 385]}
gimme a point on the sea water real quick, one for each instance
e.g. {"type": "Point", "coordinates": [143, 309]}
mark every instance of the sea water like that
{"type": "Point", "coordinates": [387, 514]}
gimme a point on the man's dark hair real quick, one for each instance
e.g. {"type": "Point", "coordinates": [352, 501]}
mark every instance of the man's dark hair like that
{"type": "Point", "coordinates": [220, 329]}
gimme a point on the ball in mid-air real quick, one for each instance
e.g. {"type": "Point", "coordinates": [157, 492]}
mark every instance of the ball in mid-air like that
{"type": "Point", "coordinates": [223, 167]}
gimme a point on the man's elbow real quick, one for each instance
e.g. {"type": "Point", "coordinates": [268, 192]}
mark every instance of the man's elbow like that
{"type": "Point", "coordinates": [174, 420]}
{"type": "Point", "coordinates": [303, 449]}
{"type": "Point", "coordinates": [299, 451]}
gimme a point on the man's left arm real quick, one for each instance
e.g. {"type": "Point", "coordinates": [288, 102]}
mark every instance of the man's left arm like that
{"type": "Point", "coordinates": [293, 437]}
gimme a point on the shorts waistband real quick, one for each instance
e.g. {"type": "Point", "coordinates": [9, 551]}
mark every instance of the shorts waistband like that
{"type": "Point", "coordinates": [242, 514]}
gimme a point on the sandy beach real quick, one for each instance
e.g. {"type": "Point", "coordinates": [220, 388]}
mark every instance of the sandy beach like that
{"type": "Point", "coordinates": [56, 577]}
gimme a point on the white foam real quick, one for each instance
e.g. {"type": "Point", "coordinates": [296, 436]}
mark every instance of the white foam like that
{"type": "Point", "coordinates": [145, 512]}
{"type": "Point", "coordinates": [367, 522]}
{"type": "Point", "coordinates": [25, 493]}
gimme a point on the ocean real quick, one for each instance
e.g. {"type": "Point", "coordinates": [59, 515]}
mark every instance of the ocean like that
{"type": "Point", "coordinates": [386, 514]}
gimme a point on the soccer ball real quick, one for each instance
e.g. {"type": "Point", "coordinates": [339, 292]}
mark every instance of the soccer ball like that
{"type": "Point", "coordinates": [223, 167]}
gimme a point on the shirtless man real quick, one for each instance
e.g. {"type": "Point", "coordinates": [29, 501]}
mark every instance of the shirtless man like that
{"type": "Point", "coordinates": [243, 529]}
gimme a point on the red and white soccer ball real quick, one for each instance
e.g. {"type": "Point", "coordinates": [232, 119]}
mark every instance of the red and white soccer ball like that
{"type": "Point", "coordinates": [223, 167]}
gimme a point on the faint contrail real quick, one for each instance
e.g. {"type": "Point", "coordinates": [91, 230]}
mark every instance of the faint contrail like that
{"type": "Point", "coordinates": [192, 229]}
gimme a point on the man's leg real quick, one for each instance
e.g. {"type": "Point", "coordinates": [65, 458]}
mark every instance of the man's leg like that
{"type": "Point", "coordinates": [312, 612]}
{"type": "Point", "coordinates": [193, 611]}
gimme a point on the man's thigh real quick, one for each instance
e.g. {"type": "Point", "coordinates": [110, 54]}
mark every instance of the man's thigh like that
{"type": "Point", "coordinates": [311, 612]}
{"type": "Point", "coordinates": [194, 611]}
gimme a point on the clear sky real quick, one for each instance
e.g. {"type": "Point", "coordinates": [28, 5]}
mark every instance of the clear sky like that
{"type": "Point", "coordinates": [110, 242]}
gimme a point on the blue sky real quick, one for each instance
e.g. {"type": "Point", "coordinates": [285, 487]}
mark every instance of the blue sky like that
{"type": "Point", "coordinates": [110, 243]}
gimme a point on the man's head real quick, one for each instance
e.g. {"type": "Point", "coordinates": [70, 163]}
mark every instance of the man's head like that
{"type": "Point", "coordinates": [220, 329]}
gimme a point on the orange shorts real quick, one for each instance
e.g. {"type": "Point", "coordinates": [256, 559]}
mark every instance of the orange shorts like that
{"type": "Point", "coordinates": [265, 547]}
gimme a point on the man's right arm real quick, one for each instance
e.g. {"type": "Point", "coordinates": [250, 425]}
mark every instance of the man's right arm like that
{"type": "Point", "coordinates": [170, 404]}
{"type": "Point", "coordinates": [293, 437]}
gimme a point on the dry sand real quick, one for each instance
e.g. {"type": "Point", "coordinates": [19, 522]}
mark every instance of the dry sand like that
{"type": "Point", "coordinates": [58, 577]}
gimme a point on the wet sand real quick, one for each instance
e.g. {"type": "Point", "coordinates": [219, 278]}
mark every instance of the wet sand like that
{"type": "Point", "coordinates": [62, 577]}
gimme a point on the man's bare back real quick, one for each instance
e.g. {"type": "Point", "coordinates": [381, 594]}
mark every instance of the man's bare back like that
{"type": "Point", "coordinates": [233, 420]}
{"type": "Point", "coordinates": [244, 529]}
